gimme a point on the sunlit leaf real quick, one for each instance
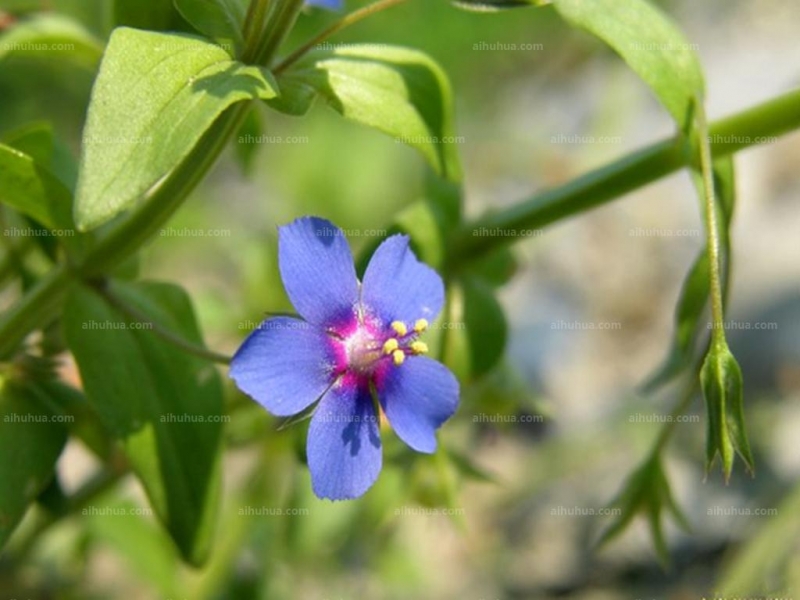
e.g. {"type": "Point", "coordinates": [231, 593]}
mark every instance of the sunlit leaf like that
{"type": "Point", "coordinates": [154, 98]}
{"type": "Point", "coordinates": [399, 91]}
{"type": "Point", "coordinates": [651, 45]}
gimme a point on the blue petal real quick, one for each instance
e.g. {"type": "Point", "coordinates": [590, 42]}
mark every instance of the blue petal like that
{"type": "Point", "coordinates": [418, 397]}
{"type": "Point", "coordinates": [344, 445]}
{"type": "Point", "coordinates": [329, 4]}
{"type": "Point", "coordinates": [318, 272]}
{"type": "Point", "coordinates": [398, 287]}
{"type": "Point", "coordinates": [285, 365]}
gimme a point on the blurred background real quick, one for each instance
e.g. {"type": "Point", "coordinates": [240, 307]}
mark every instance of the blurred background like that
{"type": "Point", "coordinates": [550, 436]}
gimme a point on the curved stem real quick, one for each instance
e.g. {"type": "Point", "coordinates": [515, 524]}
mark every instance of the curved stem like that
{"type": "Point", "coordinates": [169, 336]}
{"type": "Point", "coordinates": [343, 23]}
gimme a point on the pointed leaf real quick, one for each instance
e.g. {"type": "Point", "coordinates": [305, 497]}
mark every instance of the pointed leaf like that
{"type": "Point", "coordinates": [651, 45]}
{"type": "Point", "coordinates": [399, 91]}
{"type": "Point", "coordinates": [217, 19]}
{"type": "Point", "coordinates": [162, 404]}
{"type": "Point", "coordinates": [30, 189]}
{"type": "Point", "coordinates": [154, 98]}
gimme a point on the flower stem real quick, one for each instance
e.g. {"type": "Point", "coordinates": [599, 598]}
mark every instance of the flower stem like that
{"type": "Point", "coordinates": [712, 231]}
{"type": "Point", "coordinates": [169, 336]}
{"type": "Point", "coordinates": [343, 23]}
{"type": "Point", "coordinates": [742, 130]}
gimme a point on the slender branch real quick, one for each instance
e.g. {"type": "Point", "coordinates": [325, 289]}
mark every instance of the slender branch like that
{"type": "Point", "coordinates": [745, 129]}
{"type": "Point", "coordinates": [343, 23]}
{"type": "Point", "coordinates": [164, 333]}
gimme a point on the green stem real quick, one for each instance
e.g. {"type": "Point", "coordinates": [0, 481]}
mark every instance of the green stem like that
{"type": "Point", "coordinates": [254, 27]}
{"type": "Point", "coordinates": [35, 310]}
{"type": "Point", "coordinates": [742, 130]}
{"type": "Point", "coordinates": [712, 231]}
{"type": "Point", "coordinates": [169, 336]}
{"type": "Point", "coordinates": [281, 21]}
{"type": "Point", "coordinates": [351, 19]}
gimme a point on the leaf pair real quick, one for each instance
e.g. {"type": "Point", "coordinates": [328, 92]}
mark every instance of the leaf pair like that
{"type": "Point", "coordinates": [647, 493]}
{"type": "Point", "coordinates": [157, 94]}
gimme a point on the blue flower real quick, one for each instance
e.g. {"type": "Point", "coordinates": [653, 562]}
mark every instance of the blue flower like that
{"type": "Point", "coordinates": [356, 340]}
{"type": "Point", "coordinates": [329, 4]}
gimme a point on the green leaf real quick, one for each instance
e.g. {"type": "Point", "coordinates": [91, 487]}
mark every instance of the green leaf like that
{"type": "Point", "coordinates": [475, 331]}
{"type": "Point", "coordinates": [495, 5]}
{"type": "Point", "coordinates": [35, 139]}
{"type": "Point", "coordinates": [30, 189]}
{"type": "Point", "coordinates": [155, 96]}
{"type": "Point", "coordinates": [84, 425]}
{"type": "Point", "coordinates": [30, 444]}
{"type": "Point", "coordinates": [721, 380]}
{"type": "Point", "coordinates": [651, 45]}
{"type": "Point", "coordinates": [38, 141]}
{"type": "Point", "coordinates": [51, 36]}
{"type": "Point", "coordinates": [689, 313]}
{"type": "Point", "coordinates": [141, 387]}
{"type": "Point", "coordinates": [646, 493]}
{"type": "Point", "coordinates": [399, 91]}
{"type": "Point", "coordinates": [218, 19]}
{"type": "Point", "coordinates": [755, 568]}
{"type": "Point", "coordinates": [486, 325]}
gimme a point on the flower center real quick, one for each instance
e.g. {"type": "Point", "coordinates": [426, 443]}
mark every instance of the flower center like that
{"type": "Point", "coordinates": [371, 345]}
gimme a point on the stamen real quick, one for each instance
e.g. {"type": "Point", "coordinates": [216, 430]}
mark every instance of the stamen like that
{"type": "Point", "coordinates": [399, 357]}
{"type": "Point", "coordinates": [390, 345]}
{"type": "Point", "coordinates": [419, 347]}
{"type": "Point", "coordinates": [421, 325]}
{"type": "Point", "coordinates": [399, 328]}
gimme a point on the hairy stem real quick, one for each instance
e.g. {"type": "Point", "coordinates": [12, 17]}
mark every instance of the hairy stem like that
{"type": "Point", "coordinates": [712, 231]}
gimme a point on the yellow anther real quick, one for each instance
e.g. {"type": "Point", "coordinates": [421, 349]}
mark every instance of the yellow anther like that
{"type": "Point", "coordinates": [399, 328]}
{"type": "Point", "coordinates": [399, 357]}
{"type": "Point", "coordinates": [421, 325]}
{"type": "Point", "coordinates": [419, 347]}
{"type": "Point", "coordinates": [390, 346]}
